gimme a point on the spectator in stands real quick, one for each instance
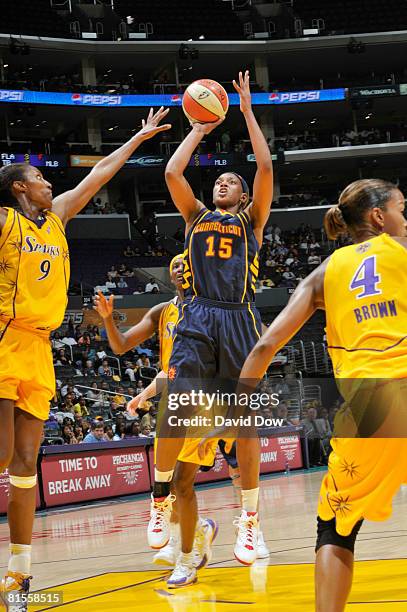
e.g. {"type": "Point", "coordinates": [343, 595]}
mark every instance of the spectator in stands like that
{"type": "Point", "coordinates": [133, 429]}
{"type": "Point", "coordinates": [138, 290]}
{"type": "Point", "coordinates": [118, 400]}
{"type": "Point", "coordinates": [56, 340]}
{"type": "Point", "coordinates": [143, 362]}
{"type": "Point", "coordinates": [288, 278]}
{"type": "Point", "coordinates": [62, 359]}
{"type": "Point", "coordinates": [109, 434]}
{"type": "Point", "coordinates": [89, 370]}
{"type": "Point", "coordinates": [68, 435]}
{"type": "Point", "coordinates": [84, 339]}
{"type": "Point", "coordinates": [96, 432]}
{"type": "Point", "coordinates": [313, 437]}
{"type": "Point", "coordinates": [140, 387]}
{"type": "Point", "coordinates": [145, 431]}
{"type": "Point", "coordinates": [96, 334]}
{"type": "Point", "coordinates": [129, 252]}
{"type": "Point", "coordinates": [70, 388]}
{"type": "Point", "coordinates": [78, 433]}
{"type": "Point", "coordinates": [122, 283]}
{"type": "Point", "coordinates": [130, 370]}
{"type": "Point", "coordinates": [313, 259]}
{"type": "Point", "coordinates": [151, 285]}
{"type": "Point", "coordinates": [94, 395]}
{"type": "Point", "coordinates": [81, 407]}
{"type": "Point", "coordinates": [110, 284]}
{"type": "Point", "coordinates": [282, 413]}
{"type": "Point", "coordinates": [105, 370]}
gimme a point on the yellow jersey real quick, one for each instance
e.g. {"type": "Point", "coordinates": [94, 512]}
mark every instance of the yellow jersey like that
{"type": "Point", "coordinates": [167, 324]}
{"type": "Point", "coordinates": [366, 309]}
{"type": "Point", "coordinates": [34, 271]}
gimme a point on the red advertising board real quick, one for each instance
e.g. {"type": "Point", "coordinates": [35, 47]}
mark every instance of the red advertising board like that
{"type": "Point", "coordinates": [4, 484]}
{"type": "Point", "coordinates": [93, 474]}
{"type": "Point", "coordinates": [220, 470]}
{"type": "Point", "coordinates": [279, 453]}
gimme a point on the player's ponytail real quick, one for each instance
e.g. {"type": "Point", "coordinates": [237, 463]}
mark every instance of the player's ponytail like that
{"type": "Point", "coordinates": [8, 175]}
{"type": "Point", "coordinates": [334, 224]}
{"type": "Point", "coordinates": [355, 200]}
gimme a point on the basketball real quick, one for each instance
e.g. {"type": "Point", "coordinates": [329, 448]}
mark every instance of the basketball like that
{"type": "Point", "coordinates": [205, 101]}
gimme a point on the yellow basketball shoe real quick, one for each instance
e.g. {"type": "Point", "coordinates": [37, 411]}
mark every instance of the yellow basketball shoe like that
{"type": "Point", "coordinates": [14, 589]}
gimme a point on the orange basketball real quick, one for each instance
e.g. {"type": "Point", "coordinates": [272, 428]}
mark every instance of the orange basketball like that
{"type": "Point", "coordinates": [205, 101]}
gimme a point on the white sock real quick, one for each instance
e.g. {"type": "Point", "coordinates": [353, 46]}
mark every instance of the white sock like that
{"type": "Point", "coordinates": [163, 476]}
{"type": "Point", "coordinates": [250, 499]}
{"type": "Point", "coordinates": [175, 531]}
{"type": "Point", "coordinates": [20, 558]}
{"type": "Point", "coordinates": [187, 558]}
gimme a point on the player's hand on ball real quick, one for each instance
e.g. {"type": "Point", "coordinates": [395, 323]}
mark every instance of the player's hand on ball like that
{"type": "Point", "coordinates": [150, 126]}
{"type": "Point", "coordinates": [103, 306]}
{"type": "Point", "coordinates": [206, 128]}
{"type": "Point", "coordinates": [243, 89]}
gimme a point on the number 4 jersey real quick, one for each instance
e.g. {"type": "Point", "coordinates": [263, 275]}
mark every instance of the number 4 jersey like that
{"type": "Point", "coordinates": [34, 271]}
{"type": "Point", "coordinates": [221, 257]}
{"type": "Point", "coordinates": [365, 291]}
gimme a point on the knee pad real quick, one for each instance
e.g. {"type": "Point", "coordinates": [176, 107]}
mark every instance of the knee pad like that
{"type": "Point", "coordinates": [327, 534]}
{"type": "Point", "coordinates": [23, 482]}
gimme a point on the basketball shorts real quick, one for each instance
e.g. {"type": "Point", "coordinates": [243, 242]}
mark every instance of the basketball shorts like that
{"type": "Point", "coordinates": [189, 452]}
{"type": "Point", "coordinates": [26, 370]}
{"type": "Point", "coordinates": [363, 477]}
{"type": "Point", "coordinates": [212, 340]}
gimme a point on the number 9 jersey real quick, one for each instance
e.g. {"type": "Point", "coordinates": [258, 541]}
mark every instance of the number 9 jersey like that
{"type": "Point", "coordinates": [366, 309]}
{"type": "Point", "coordinates": [34, 271]}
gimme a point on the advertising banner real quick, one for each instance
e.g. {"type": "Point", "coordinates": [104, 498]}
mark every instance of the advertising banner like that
{"type": "Point", "coordinates": [278, 454]}
{"type": "Point", "coordinates": [117, 100]}
{"type": "Point", "coordinates": [38, 160]}
{"type": "Point", "coordinates": [374, 91]}
{"type": "Point", "coordinates": [93, 474]}
{"type": "Point", "coordinates": [212, 159]}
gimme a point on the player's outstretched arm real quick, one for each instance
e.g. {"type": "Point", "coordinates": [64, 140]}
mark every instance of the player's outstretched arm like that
{"type": "Point", "coordinates": [70, 203]}
{"type": "Point", "coordinates": [120, 342]}
{"type": "Point", "coordinates": [306, 299]}
{"type": "Point", "coordinates": [263, 181]}
{"type": "Point", "coordinates": [179, 188]}
{"type": "Point", "coordinates": [144, 396]}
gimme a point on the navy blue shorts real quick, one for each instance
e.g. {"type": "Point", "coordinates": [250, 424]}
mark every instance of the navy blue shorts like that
{"type": "Point", "coordinates": [213, 340]}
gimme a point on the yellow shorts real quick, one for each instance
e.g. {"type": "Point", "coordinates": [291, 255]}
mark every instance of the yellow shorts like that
{"type": "Point", "coordinates": [363, 477]}
{"type": "Point", "coordinates": [26, 370]}
{"type": "Point", "coordinates": [189, 452]}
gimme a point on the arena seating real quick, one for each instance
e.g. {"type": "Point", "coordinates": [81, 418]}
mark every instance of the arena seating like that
{"type": "Point", "coordinates": [183, 20]}
{"type": "Point", "coordinates": [32, 18]}
{"type": "Point", "coordinates": [354, 16]}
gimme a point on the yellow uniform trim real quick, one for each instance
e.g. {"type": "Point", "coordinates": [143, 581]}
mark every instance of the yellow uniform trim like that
{"type": "Point", "coordinates": [246, 258]}
{"type": "Point", "coordinates": [190, 249]}
{"type": "Point", "coordinates": [254, 320]}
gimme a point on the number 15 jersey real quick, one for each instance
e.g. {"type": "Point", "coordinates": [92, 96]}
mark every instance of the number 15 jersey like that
{"type": "Point", "coordinates": [365, 290]}
{"type": "Point", "coordinates": [221, 259]}
{"type": "Point", "coordinates": [34, 271]}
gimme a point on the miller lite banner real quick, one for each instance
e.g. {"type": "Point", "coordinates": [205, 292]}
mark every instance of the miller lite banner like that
{"type": "Point", "coordinates": [119, 100]}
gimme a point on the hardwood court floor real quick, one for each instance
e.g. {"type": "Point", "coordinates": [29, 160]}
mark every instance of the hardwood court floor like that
{"type": "Point", "coordinates": [99, 557]}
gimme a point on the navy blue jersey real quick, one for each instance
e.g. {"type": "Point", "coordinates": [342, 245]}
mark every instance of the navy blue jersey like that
{"type": "Point", "coordinates": [221, 260]}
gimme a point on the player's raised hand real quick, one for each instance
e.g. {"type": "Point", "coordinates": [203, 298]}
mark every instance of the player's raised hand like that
{"type": "Point", "coordinates": [103, 306]}
{"type": "Point", "coordinates": [206, 128]}
{"type": "Point", "coordinates": [243, 89]}
{"type": "Point", "coordinates": [150, 126]}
